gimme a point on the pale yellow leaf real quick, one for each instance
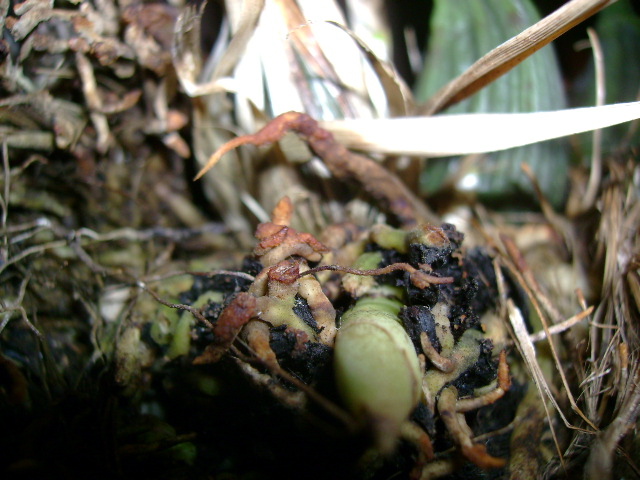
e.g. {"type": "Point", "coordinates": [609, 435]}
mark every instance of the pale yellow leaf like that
{"type": "Point", "coordinates": [446, 135]}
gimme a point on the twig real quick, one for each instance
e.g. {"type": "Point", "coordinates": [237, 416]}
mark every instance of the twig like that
{"type": "Point", "coordinates": [210, 274]}
{"type": "Point", "coordinates": [233, 273]}
{"type": "Point", "coordinates": [4, 201]}
{"type": "Point", "coordinates": [178, 306]}
{"type": "Point", "coordinates": [562, 326]}
{"type": "Point", "coordinates": [16, 306]}
{"type": "Point", "coordinates": [32, 250]}
{"type": "Point", "coordinates": [175, 234]}
{"type": "Point", "coordinates": [418, 276]}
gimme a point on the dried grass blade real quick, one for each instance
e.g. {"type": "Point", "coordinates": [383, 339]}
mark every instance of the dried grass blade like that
{"type": "Point", "coordinates": [309, 59]}
{"type": "Point", "coordinates": [506, 56]}
{"type": "Point", "coordinates": [600, 462]}
{"type": "Point", "coordinates": [446, 135]}
{"type": "Point", "coordinates": [527, 281]}
{"type": "Point", "coordinates": [399, 97]}
{"type": "Point", "coordinates": [562, 326]}
{"type": "Point", "coordinates": [186, 48]}
{"type": "Point", "coordinates": [596, 155]}
{"type": "Point", "coordinates": [528, 352]}
{"type": "Point", "coordinates": [251, 10]}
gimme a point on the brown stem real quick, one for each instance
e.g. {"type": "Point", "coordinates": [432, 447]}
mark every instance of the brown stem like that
{"type": "Point", "coordinates": [376, 180]}
{"type": "Point", "coordinates": [419, 278]}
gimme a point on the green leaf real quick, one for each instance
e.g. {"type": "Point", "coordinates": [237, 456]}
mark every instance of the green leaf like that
{"type": "Point", "coordinates": [461, 33]}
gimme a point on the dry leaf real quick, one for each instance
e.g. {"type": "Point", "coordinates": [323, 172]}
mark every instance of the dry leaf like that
{"type": "Point", "coordinates": [506, 56]}
{"type": "Point", "coordinates": [446, 135]}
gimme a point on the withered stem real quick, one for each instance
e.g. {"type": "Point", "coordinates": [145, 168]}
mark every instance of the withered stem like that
{"type": "Point", "coordinates": [432, 279]}
{"type": "Point", "coordinates": [376, 180]}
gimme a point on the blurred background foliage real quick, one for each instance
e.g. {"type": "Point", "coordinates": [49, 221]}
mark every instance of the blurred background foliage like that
{"type": "Point", "coordinates": [458, 36]}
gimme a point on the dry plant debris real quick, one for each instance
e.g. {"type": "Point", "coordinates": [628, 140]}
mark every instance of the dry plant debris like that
{"type": "Point", "coordinates": [122, 340]}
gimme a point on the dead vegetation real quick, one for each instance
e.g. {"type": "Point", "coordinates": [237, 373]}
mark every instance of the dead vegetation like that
{"type": "Point", "coordinates": [139, 337]}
